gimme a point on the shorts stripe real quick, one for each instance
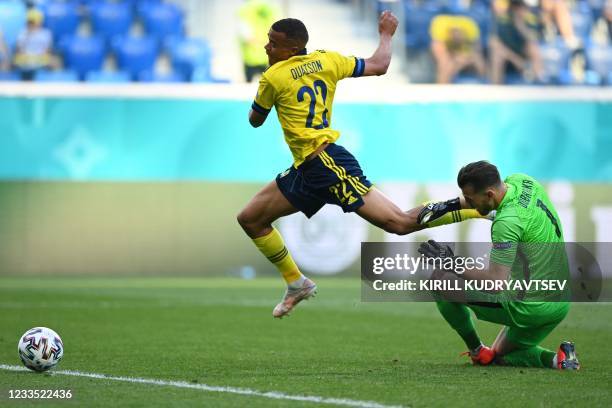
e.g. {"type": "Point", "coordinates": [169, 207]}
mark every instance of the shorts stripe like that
{"type": "Point", "coordinates": [325, 161]}
{"type": "Point", "coordinates": [329, 163]}
{"type": "Point", "coordinates": [357, 184]}
{"type": "Point", "coordinates": [340, 171]}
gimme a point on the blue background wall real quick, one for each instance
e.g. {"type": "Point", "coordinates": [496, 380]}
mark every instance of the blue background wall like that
{"type": "Point", "coordinates": [149, 140]}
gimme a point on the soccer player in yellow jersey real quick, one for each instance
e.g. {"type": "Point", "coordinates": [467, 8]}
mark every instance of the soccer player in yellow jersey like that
{"type": "Point", "coordinates": [301, 87]}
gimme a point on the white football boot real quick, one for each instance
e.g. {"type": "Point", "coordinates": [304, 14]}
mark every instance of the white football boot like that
{"type": "Point", "coordinates": [293, 296]}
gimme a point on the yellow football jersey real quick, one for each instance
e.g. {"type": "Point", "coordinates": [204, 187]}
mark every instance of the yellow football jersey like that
{"type": "Point", "coordinates": [302, 90]}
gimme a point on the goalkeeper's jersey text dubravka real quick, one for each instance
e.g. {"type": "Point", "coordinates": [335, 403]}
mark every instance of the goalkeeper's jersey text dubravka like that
{"type": "Point", "coordinates": [528, 237]}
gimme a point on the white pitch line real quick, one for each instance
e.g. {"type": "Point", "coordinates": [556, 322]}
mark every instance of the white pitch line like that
{"type": "Point", "coordinates": [213, 388]}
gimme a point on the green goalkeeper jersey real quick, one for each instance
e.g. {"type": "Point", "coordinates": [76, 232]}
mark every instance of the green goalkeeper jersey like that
{"type": "Point", "coordinates": [527, 236]}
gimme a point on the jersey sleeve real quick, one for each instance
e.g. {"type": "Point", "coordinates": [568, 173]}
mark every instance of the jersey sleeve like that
{"type": "Point", "coordinates": [346, 66]}
{"type": "Point", "coordinates": [265, 98]}
{"type": "Point", "coordinates": [506, 233]}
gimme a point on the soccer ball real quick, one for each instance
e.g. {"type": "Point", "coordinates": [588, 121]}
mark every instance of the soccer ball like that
{"type": "Point", "coordinates": [40, 349]}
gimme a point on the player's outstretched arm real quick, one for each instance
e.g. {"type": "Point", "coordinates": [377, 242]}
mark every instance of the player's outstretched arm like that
{"type": "Point", "coordinates": [379, 62]}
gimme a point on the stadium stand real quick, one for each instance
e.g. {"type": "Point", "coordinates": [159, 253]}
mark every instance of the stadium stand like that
{"type": "Point", "coordinates": [135, 54]}
{"type": "Point", "coordinates": [559, 58]}
{"type": "Point", "coordinates": [162, 20]}
{"type": "Point", "coordinates": [168, 77]}
{"type": "Point", "coordinates": [12, 20]}
{"type": "Point", "coordinates": [599, 65]}
{"type": "Point", "coordinates": [111, 40]}
{"type": "Point", "coordinates": [556, 60]}
{"type": "Point", "coordinates": [56, 76]}
{"type": "Point", "coordinates": [115, 77]}
{"type": "Point", "coordinates": [111, 19]}
{"type": "Point", "coordinates": [9, 76]}
{"type": "Point", "coordinates": [189, 54]}
{"type": "Point", "coordinates": [127, 28]}
{"type": "Point", "coordinates": [83, 54]}
{"type": "Point", "coordinates": [61, 17]}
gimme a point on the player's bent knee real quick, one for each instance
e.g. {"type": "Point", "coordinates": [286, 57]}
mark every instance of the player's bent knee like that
{"type": "Point", "coordinates": [244, 219]}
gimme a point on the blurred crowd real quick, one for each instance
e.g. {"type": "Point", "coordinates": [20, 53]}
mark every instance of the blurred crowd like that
{"type": "Point", "coordinates": [561, 42]}
{"type": "Point", "coordinates": [99, 41]}
{"type": "Point", "coordinates": [558, 42]}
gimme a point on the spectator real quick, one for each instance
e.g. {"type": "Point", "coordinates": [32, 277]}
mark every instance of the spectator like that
{"type": "Point", "coordinates": [514, 41]}
{"type": "Point", "coordinates": [554, 16]}
{"type": "Point", "coordinates": [256, 17]}
{"type": "Point", "coordinates": [455, 46]}
{"type": "Point", "coordinates": [5, 58]}
{"type": "Point", "coordinates": [33, 50]}
{"type": "Point", "coordinates": [607, 15]}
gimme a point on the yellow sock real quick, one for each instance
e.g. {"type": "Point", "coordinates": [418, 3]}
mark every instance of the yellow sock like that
{"type": "Point", "coordinates": [455, 216]}
{"type": "Point", "coordinates": [273, 247]}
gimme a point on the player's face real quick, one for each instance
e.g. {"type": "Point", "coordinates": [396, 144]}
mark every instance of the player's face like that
{"type": "Point", "coordinates": [279, 48]}
{"type": "Point", "coordinates": [481, 201]}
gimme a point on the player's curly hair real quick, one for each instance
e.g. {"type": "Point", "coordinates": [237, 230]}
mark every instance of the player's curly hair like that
{"type": "Point", "coordinates": [293, 28]}
{"type": "Point", "coordinates": [480, 175]}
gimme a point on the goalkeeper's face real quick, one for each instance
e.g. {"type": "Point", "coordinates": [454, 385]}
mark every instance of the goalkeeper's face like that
{"type": "Point", "coordinates": [481, 201]}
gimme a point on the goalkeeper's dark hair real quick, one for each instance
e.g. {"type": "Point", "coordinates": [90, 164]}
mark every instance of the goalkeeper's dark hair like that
{"type": "Point", "coordinates": [293, 28]}
{"type": "Point", "coordinates": [480, 175]}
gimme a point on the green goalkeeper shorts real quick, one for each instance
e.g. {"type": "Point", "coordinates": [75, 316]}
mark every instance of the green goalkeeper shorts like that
{"type": "Point", "coordinates": [527, 323]}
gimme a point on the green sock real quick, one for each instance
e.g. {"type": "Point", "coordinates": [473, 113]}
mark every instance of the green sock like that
{"type": "Point", "coordinates": [531, 357]}
{"type": "Point", "coordinates": [459, 318]}
{"type": "Point", "coordinates": [547, 358]}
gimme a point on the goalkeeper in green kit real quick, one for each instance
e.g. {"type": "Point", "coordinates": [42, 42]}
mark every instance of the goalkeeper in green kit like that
{"type": "Point", "coordinates": [527, 244]}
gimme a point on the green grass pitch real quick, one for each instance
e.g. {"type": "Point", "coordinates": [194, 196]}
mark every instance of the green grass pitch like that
{"type": "Point", "coordinates": [220, 332]}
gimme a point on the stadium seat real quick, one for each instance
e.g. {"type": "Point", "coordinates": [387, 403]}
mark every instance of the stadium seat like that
{"type": "Point", "coordinates": [10, 76]}
{"type": "Point", "coordinates": [596, 7]}
{"type": "Point", "coordinates": [111, 19]}
{"type": "Point", "coordinates": [12, 20]}
{"type": "Point", "coordinates": [201, 75]}
{"type": "Point", "coordinates": [468, 79]}
{"type": "Point", "coordinates": [83, 54]}
{"type": "Point", "coordinates": [582, 21]}
{"type": "Point", "coordinates": [556, 60]}
{"type": "Point", "coordinates": [115, 77]}
{"type": "Point", "coordinates": [152, 76]}
{"type": "Point", "coordinates": [417, 21]}
{"type": "Point", "coordinates": [135, 54]}
{"type": "Point", "coordinates": [140, 5]}
{"type": "Point", "coordinates": [56, 76]}
{"type": "Point", "coordinates": [189, 54]}
{"type": "Point", "coordinates": [599, 64]}
{"type": "Point", "coordinates": [162, 20]}
{"type": "Point", "coordinates": [61, 17]}
{"type": "Point", "coordinates": [515, 78]}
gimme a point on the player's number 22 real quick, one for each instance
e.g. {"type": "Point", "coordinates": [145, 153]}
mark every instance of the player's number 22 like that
{"type": "Point", "coordinates": [318, 88]}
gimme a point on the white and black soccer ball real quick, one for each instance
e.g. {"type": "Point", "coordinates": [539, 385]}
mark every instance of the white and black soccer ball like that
{"type": "Point", "coordinates": [40, 349]}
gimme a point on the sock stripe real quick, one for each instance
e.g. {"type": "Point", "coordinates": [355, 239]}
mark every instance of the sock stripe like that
{"type": "Point", "coordinates": [279, 255]}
